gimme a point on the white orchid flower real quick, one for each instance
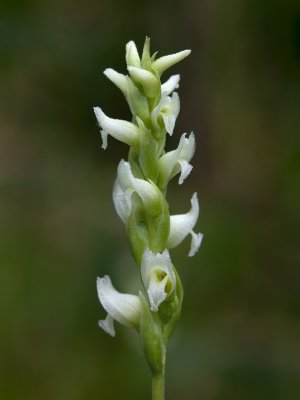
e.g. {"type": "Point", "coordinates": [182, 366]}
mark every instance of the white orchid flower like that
{"type": "Point", "coordinates": [168, 109]}
{"type": "Point", "coordinates": [121, 130]}
{"type": "Point", "coordinates": [178, 160]}
{"type": "Point", "coordinates": [171, 84]}
{"type": "Point", "coordinates": [158, 277]}
{"type": "Point", "coordinates": [124, 308]}
{"type": "Point", "coordinates": [165, 62]}
{"type": "Point", "coordinates": [126, 184]}
{"type": "Point", "coordinates": [182, 224]}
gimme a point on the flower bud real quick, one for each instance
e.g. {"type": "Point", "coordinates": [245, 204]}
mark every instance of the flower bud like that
{"type": "Point", "coordinates": [165, 62]}
{"type": "Point", "coordinates": [132, 55]}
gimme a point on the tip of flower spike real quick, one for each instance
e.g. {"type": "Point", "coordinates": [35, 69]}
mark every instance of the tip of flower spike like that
{"type": "Point", "coordinates": [132, 55]}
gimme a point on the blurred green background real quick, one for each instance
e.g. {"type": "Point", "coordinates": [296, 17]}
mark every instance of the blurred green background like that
{"type": "Point", "coordinates": [239, 337]}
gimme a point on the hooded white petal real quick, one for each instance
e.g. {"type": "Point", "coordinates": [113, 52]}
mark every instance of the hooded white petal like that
{"type": "Point", "coordinates": [158, 276]}
{"type": "Point", "coordinates": [165, 62]}
{"type": "Point", "coordinates": [171, 84]}
{"type": "Point", "coordinates": [124, 308]}
{"type": "Point", "coordinates": [182, 224]}
{"type": "Point", "coordinates": [174, 161]}
{"type": "Point", "coordinates": [195, 244]}
{"type": "Point", "coordinates": [118, 79]}
{"type": "Point", "coordinates": [132, 55]}
{"type": "Point", "coordinates": [122, 130]}
{"type": "Point", "coordinates": [107, 325]}
{"type": "Point", "coordinates": [122, 201]}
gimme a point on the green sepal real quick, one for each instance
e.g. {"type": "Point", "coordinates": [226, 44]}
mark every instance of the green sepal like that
{"type": "Point", "coordinates": [133, 159]}
{"type": "Point", "coordinates": [159, 227]}
{"type": "Point", "coordinates": [137, 230]}
{"type": "Point", "coordinates": [152, 338]}
{"type": "Point", "coordinates": [138, 103]}
{"type": "Point", "coordinates": [170, 310]}
{"type": "Point", "coordinates": [148, 154]}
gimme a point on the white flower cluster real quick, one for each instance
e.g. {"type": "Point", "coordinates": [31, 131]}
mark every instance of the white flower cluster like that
{"type": "Point", "coordinates": [141, 182]}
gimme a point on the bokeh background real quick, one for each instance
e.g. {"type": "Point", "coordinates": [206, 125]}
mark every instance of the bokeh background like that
{"type": "Point", "coordinates": [239, 337]}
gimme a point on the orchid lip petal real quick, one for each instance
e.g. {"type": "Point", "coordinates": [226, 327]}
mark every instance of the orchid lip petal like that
{"type": "Point", "coordinates": [186, 169]}
{"type": "Point", "coordinates": [104, 135]}
{"type": "Point", "coordinates": [195, 243]}
{"type": "Point", "coordinates": [156, 293]}
{"type": "Point", "coordinates": [107, 325]}
{"type": "Point", "coordinates": [157, 273]}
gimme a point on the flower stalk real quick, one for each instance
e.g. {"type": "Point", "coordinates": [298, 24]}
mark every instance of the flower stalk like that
{"type": "Point", "coordinates": [139, 196]}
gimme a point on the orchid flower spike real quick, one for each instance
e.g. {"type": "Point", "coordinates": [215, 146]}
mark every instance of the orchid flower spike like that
{"type": "Point", "coordinates": [158, 277]}
{"type": "Point", "coordinates": [182, 224]}
{"type": "Point", "coordinates": [139, 197]}
{"type": "Point", "coordinates": [124, 308]}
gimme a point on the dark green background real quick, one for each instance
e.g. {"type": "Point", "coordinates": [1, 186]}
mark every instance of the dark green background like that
{"type": "Point", "coordinates": [239, 336]}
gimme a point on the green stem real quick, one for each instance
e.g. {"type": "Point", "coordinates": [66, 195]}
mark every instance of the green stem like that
{"type": "Point", "coordinates": [158, 386]}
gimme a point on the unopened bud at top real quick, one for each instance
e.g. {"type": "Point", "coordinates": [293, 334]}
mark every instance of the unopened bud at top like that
{"type": "Point", "coordinates": [132, 55]}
